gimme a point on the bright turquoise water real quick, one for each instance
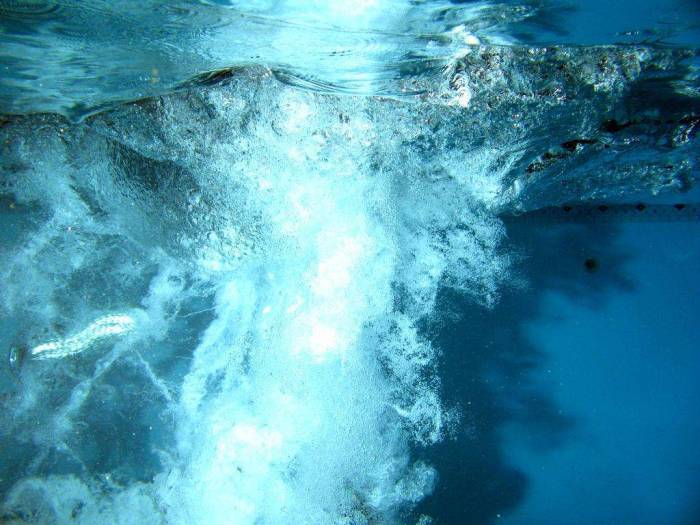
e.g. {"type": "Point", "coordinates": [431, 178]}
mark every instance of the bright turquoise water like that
{"type": "Point", "coordinates": [381, 262]}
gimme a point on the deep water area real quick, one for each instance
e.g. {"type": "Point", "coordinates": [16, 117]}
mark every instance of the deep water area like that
{"type": "Point", "coordinates": [320, 263]}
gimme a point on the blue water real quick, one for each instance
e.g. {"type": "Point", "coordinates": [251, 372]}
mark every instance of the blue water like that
{"type": "Point", "coordinates": [622, 366]}
{"type": "Point", "coordinates": [582, 409]}
{"type": "Point", "coordinates": [388, 262]}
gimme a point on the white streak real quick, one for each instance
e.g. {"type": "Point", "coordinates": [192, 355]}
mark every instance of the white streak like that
{"type": "Point", "coordinates": [101, 329]}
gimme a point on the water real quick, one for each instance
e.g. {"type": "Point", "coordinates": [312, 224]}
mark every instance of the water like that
{"type": "Point", "coordinates": [313, 262]}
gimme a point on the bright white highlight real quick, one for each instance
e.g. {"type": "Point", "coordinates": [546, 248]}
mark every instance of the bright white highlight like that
{"type": "Point", "coordinates": [99, 330]}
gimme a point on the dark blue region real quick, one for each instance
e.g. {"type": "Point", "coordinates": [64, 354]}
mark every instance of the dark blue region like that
{"type": "Point", "coordinates": [580, 390]}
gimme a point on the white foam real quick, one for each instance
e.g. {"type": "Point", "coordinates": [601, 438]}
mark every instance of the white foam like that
{"type": "Point", "coordinates": [302, 397]}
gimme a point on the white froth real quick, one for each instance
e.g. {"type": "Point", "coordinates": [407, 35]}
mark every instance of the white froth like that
{"type": "Point", "coordinates": [302, 393]}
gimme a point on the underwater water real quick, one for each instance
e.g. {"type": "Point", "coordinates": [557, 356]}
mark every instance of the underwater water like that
{"type": "Point", "coordinates": [374, 262]}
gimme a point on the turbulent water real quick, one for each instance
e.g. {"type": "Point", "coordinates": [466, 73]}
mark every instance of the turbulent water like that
{"type": "Point", "coordinates": [214, 299]}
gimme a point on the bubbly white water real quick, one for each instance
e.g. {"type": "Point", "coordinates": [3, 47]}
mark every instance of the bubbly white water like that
{"type": "Point", "coordinates": [320, 244]}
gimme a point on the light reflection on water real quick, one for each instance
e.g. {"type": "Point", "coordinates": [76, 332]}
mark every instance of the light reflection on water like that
{"type": "Point", "coordinates": [73, 57]}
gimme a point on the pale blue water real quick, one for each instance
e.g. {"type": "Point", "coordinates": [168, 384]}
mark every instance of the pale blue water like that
{"type": "Point", "coordinates": [383, 262]}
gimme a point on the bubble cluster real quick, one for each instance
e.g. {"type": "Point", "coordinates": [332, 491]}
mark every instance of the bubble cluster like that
{"type": "Point", "coordinates": [282, 253]}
